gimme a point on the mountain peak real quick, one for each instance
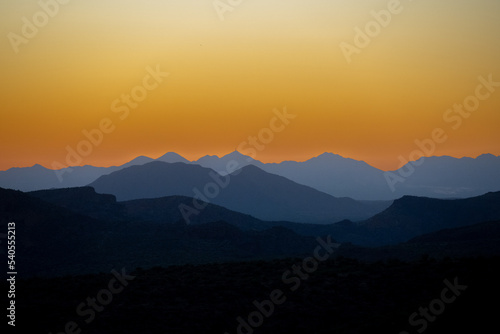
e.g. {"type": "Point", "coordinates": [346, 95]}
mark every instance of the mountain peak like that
{"type": "Point", "coordinates": [236, 155]}
{"type": "Point", "coordinates": [330, 156]}
{"type": "Point", "coordinates": [140, 160]}
{"type": "Point", "coordinates": [38, 166]}
{"type": "Point", "coordinates": [487, 156]}
{"type": "Point", "coordinates": [172, 157]}
{"type": "Point", "coordinates": [336, 158]}
{"type": "Point", "coordinates": [208, 156]}
{"type": "Point", "coordinates": [142, 157]}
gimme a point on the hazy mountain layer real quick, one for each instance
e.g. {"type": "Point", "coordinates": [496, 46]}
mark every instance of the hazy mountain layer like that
{"type": "Point", "coordinates": [438, 177]}
{"type": "Point", "coordinates": [249, 190]}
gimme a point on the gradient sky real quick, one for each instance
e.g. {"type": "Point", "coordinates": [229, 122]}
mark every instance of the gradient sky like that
{"type": "Point", "coordinates": [226, 77]}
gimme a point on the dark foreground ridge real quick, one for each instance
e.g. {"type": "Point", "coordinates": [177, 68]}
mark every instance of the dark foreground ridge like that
{"type": "Point", "coordinates": [76, 231]}
{"type": "Point", "coordinates": [342, 296]}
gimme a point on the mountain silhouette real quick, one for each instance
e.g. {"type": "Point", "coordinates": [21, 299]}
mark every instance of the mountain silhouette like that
{"type": "Point", "coordinates": [411, 216]}
{"type": "Point", "coordinates": [38, 177]}
{"type": "Point", "coordinates": [447, 177]}
{"type": "Point", "coordinates": [250, 190]}
{"type": "Point", "coordinates": [437, 177]}
{"type": "Point", "coordinates": [224, 165]}
{"type": "Point", "coordinates": [337, 176]}
{"type": "Point", "coordinates": [59, 241]}
{"type": "Point", "coordinates": [50, 237]}
{"type": "Point", "coordinates": [172, 157]}
{"type": "Point", "coordinates": [85, 201]}
{"type": "Point", "coordinates": [76, 231]}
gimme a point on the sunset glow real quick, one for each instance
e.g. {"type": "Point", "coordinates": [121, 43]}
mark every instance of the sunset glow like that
{"type": "Point", "coordinates": [226, 78]}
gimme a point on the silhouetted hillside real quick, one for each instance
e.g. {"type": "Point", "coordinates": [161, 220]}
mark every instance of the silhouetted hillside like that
{"type": "Point", "coordinates": [38, 177]}
{"type": "Point", "coordinates": [86, 201]}
{"type": "Point", "coordinates": [436, 177]}
{"type": "Point", "coordinates": [407, 218]}
{"type": "Point", "coordinates": [250, 191]}
{"type": "Point", "coordinates": [481, 231]}
{"type": "Point", "coordinates": [410, 216]}
{"type": "Point", "coordinates": [57, 241]}
{"type": "Point", "coordinates": [49, 238]}
{"type": "Point", "coordinates": [60, 240]}
{"type": "Point", "coordinates": [481, 239]}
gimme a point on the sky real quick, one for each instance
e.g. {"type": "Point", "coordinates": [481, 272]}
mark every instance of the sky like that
{"type": "Point", "coordinates": [99, 82]}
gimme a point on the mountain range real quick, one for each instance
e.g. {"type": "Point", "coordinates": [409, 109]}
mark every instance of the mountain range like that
{"type": "Point", "coordinates": [438, 177]}
{"type": "Point", "coordinates": [38, 177]}
{"type": "Point", "coordinates": [169, 211]}
{"type": "Point", "coordinates": [77, 231]}
{"type": "Point", "coordinates": [406, 218]}
{"type": "Point", "coordinates": [57, 240]}
{"type": "Point", "coordinates": [248, 190]}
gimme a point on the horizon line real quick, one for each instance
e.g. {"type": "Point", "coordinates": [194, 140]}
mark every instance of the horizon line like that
{"type": "Point", "coordinates": [224, 155]}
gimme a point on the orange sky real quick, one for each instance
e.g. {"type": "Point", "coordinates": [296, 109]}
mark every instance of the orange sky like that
{"type": "Point", "coordinates": [227, 76]}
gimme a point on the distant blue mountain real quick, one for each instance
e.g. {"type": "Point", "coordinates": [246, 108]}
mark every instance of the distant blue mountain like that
{"type": "Point", "coordinates": [250, 190]}
{"type": "Point", "coordinates": [224, 165]}
{"type": "Point", "coordinates": [38, 177]}
{"type": "Point", "coordinates": [447, 177]}
{"type": "Point", "coordinates": [337, 176]}
{"type": "Point", "coordinates": [437, 177]}
{"type": "Point", "coordinates": [171, 157]}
